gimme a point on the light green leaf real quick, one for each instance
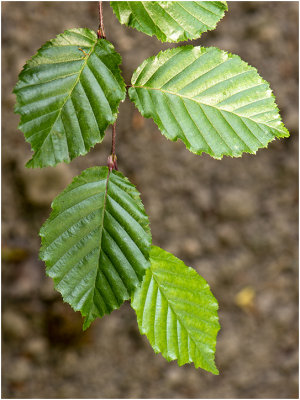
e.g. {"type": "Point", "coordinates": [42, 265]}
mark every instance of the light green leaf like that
{"type": "Point", "coordinates": [170, 21]}
{"type": "Point", "coordinates": [211, 100]}
{"type": "Point", "coordinates": [177, 311]}
{"type": "Point", "coordinates": [96, 242]}
{"type": "Point", "coordinates": [67, 95]}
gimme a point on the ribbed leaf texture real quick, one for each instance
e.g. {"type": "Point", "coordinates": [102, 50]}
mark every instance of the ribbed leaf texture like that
{"type": "Point", "coordinates": [211, 100]}
{"type": "Point", "coordinates": [67, 95]}
{"type": "Point", "coordinates": [170, 21]}
{"type": "Point", "coordinates": [177, 311]}
{"type": "Point", "coordinates": [96, 242]}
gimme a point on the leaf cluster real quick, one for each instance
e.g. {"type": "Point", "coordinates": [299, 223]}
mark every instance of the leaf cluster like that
{"type": "Point", "coordinates": [97, 242]}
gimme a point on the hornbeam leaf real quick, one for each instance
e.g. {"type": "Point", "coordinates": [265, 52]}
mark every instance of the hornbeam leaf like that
{"type": "Point", "coordinates": [211, 100]}
{"type": "Point", "coordinates": [177, 312]}
{"type": "Point", "coordinates": [96, 242]}
{"type": "Point", "coordinates": [67, 95]}
{"type": "Point", "coordinates": [170, 21]}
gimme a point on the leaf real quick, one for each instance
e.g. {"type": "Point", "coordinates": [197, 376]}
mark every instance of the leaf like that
{"type": "Point", "coordinates": [170, 21]}
{"type": "Point", "coordinates": [177, 312]}
{"type": "Point", "coordinates": [211, 100]}
{"type": "Point", "coordinates": [96, 242]}
{"type": "Point", "coordinates": [67, 95]}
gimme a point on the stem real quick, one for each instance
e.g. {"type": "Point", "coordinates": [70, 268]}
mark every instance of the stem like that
{"type": "Point", "coordinates": [112, 159]}
{"type": "Point", "coordinates": [113, 139]}
{"type": "Point", "coordinates": [101, 31]}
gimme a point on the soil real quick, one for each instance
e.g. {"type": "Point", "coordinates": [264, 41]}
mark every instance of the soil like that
{"type": "Point", "coordinates": [235, 221]}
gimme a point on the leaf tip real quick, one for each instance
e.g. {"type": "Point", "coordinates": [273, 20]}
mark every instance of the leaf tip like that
{"type": "Point", "coordinates": [215, 371]}
{"type": "Point", "coordinates": [86, 325]}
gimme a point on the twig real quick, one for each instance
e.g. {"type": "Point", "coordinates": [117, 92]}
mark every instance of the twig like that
{"type": "Point", "coordinates": [112, 159]}
{"type": "Point", "coordinates": [113, 139]}
{"type": "Point", "coordinates": [101, 31]}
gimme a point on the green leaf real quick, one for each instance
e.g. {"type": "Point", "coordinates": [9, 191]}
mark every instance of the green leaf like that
{"type": "Point", "coordinates": [67, 95]}
{"type": "Point", "coordinates": [177, 311]}
{"type": "Point", "coordinates": [170, 21]}
{"type": "Point", "coordinates": [96, 242]}
{"type": "Point", "coordinates": [211, 100]}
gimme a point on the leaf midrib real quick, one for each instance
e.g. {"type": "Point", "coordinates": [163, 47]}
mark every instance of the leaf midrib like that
{"type": "Point", "coordinates": [68, 95]}
{"type": "Point", "coordinates": [205, 104]}
{"type": "Point", "coordinates": [101, 234]}
{"type": "Point", "coordinates": [196, 18]}
{"type": "Point", "coordinates": [172, 308]}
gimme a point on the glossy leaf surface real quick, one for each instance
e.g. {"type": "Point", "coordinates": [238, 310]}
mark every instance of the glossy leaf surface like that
{"type": "Point", "coordinates": [67, 95]}
{"type": "Point", "coordinates": [170, 21]}
{"type": "Point", "coordinates": [96, 242]}
{"type": "Point", "coordinates": [211, 100]}
{"type": "Point", "coordinates": [177, 312]}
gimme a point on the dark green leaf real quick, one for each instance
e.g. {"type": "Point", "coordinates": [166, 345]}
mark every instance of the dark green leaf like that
{"type": "Point", "coordinates": [170, 21]}
{"type": "Point", "coordinates": [211, 100]}
{"type": "Point", "coordinates": [67, 95]}
{"type": "Point", "coordinates": [96, 242]}
{"type": "Point", "coordinates": [177, 311]}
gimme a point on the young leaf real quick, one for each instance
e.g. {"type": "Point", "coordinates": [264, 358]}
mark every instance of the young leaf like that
{"type": "Point", "coordinates": [170, 21]}
{"type": "Point", "coordinates": [67, 95]}
{"type": "Point", "coordinates": [211, 100]}
{"type": "Point", "coordinates": [96, 242]}
{"type": "Point", "coordinates": [177, 311]}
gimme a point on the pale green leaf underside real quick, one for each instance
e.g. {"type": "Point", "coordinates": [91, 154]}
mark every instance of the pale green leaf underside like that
{"type": "Point", "coordinates": [177, 311]}
{"type": "Point", "coordinates": [170, 21]}
{"type": "Point", "coordinates": [96, 242]}
{"type": "Point", "coordinates": [211, 100]}
{"type": "Point", "coordinates": [67, 95]}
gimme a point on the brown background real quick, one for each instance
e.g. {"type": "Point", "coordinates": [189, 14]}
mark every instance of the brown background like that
{"type": "Point", "coordinates": [234, 220]}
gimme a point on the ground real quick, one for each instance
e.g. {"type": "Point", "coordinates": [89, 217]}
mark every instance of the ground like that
{"type": "Point", "coordinates": [235, 221]}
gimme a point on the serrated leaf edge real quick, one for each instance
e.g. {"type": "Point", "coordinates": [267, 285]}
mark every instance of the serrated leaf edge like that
{"type": "Point", "coordinates": [87, 323]}
{"type": "Point", "coordinates": [185, 37]}
{"type": "Point", "coordinates": [50, 42]}
{"type": "Point", "coordinates": [156, 350]}
{"type": "Point", "coordinates": [283, 133]}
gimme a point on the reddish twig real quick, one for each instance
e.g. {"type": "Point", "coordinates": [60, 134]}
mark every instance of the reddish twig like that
{"type": "Point", "coordinates": [113, 139]}
{"type": "Point", "coordinates": [112, 159]}
{"type": "Point", "coordinates": [101, 32]}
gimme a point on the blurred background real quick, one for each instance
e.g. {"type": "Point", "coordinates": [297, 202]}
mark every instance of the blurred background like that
{"type": "Point", "coordinates": [235, 221]}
